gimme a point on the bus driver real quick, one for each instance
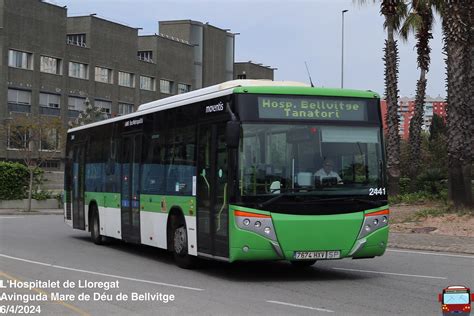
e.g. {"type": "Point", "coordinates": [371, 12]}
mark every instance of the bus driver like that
{"type": "Point", "coordinates": [326, 171]}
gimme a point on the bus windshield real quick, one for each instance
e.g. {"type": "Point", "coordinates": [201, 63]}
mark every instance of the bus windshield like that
{"type": "Point", "coordinates": [316, 159]}
{"type": "Point", "coordinates": [456, 298]}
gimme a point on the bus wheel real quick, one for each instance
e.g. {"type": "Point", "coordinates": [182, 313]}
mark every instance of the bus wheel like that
{"type": "Point", "coordinates": [303, 263]}
{"type": "Point", "coordinates": [180, 246]}
{"type": "Point", "coordinates": [96, 237]}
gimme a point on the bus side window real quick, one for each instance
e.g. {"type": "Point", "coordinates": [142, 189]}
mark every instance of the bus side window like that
{"type": "Point", "coordinates": [112, 169]}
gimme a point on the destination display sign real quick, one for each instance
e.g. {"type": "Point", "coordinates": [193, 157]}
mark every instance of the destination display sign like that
{"type": "Point", "coordinates": [318, 108]}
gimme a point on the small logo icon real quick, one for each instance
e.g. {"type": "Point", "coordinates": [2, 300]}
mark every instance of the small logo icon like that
{"type": "Point", "coordinates": [456, 300]}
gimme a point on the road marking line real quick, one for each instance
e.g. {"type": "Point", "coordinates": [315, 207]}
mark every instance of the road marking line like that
{"type": "Point", "coordinates": [102, 274]}
{"type": "Point", "coordinates": [391, 273]}
{"type": "Point", "coordinates": [69, 306]}
{"type": "Point", "coordinates": [431, 253]}
{"type": "Point", "coordinates": [8, 217]}
{"type": "Point", "coordinates": [302, 306]}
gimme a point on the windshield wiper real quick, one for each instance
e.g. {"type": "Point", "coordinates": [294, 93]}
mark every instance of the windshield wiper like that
{"type": "Point", "coordinates": [272, 200]}
{"type": "Point", "coordinates": [352, 199]}
{"type": "Point", "coordinates": [286, 193]}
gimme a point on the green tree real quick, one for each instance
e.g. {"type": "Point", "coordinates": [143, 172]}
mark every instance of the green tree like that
{"type": "Point", "coordinates": [458, 22]}
{"type": "Point", "coordinates": [90, 115]}
{"type": "Point", "coordinates": [36, 139]}
{"type": "Point", "coordinates": [437, 127]}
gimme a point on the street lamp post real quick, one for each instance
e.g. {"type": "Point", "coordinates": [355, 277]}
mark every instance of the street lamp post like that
{"type": "Point", "coordinates": [342, 49]}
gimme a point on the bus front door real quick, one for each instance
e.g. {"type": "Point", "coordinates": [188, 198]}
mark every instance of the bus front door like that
{"type": "Point", "coordinates": [78, 168]}
{"type": "Point", "coordinates": [130, 187]}
{"type": "Point", "coordinates": [212, 202]}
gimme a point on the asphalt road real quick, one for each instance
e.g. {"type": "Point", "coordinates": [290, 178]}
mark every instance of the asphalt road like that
{"type": "Point", "coordinates": [44, 248]}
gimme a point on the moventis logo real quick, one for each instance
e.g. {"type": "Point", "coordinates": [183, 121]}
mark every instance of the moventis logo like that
{"type": "Point", "coordinates": [215, 108]}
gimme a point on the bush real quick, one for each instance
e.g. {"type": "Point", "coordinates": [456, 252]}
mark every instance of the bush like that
{"type": "Point", "coordinates": [430, 181]}
{"type": "Point", "coordinates": [410, 198]}
{"type": "Point", "coordinates": [41, 195]}
{"type": "Point", "coordinates": [404, 184]}
{"type": "Point", "coordinates": [14, 179]}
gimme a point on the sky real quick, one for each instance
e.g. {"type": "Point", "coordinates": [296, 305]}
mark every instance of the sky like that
{"type": "Point", "coordinates": [285, 34]}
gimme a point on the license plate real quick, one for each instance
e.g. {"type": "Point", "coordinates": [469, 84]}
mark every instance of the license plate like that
{"type": "Point", "coordinates": [318, 255]}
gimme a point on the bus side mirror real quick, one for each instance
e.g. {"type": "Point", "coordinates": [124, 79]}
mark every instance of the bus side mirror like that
{"type": "Point", "coordinates": [472, 297]}
{"type": "Point", "coordinates": [440, 298]}
{"type": "Point", "coordinates": [233, 134]}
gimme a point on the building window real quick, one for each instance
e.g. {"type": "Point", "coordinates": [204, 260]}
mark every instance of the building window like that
{"type": "Point", "coordinates": [104, 106]}
{"type": "Point", "coordinates": [147, 83]}
{"type": "Point", "coordinates": [76, 106]}
{"type": "Point", "coordinates": [76, 39]}
{"type": "Point", "coordinates": [19, 100]}
{"type": "Point", "coordinates": [166, 86]}
{"type": "Point", "coordinates": [49, 104]}
{"type": "Point", "coordinates": [50, 164]}
{"type": "Point", "coordinates": [125, 108]}
{"type": "Point", "coordinates": [50, 65]}
{"type": "Point", "coordinates": [49, 139]}
{"type": "Point", "coordinates": [126, 79]}
{"type": "Point", "coordinates": [17, 137]}
{"type": "Point", "coordinates": [145, 55]}
{"type": "Point", "coordinates": [244, 76]}
{"type": "Point", "coordinates": [77, 70]}
{"type": "Point", "coordinates": [103, 75]}
{"type": "Point", "coordinates": [20, 59]}
{"type": "Point", "coordinates": [183, 88]}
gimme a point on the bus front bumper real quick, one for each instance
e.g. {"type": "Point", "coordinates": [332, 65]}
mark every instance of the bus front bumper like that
{"type": "Point", "coordinates": [297, 233]}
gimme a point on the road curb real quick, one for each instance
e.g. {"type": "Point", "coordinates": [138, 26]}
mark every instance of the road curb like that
{"type": "Point", "coordinates": [431, 242]}
{"type": "Point", "coordinates": [429, 248]}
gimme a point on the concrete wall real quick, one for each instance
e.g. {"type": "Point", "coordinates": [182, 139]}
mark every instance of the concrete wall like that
{"type": "Point", "coordinates": [252, 71]}
{"type": "Point", "coordinates": [35, 204]}
{"type": "Point", "coordinates": [213, 49]}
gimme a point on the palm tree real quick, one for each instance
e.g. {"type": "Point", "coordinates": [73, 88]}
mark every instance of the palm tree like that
{"type": "Point", "coordinates": [393, 11]}
{"type": "Point", "coordinates": [457, 28]}
{"type": "Point", "coordinates": [420, 22]}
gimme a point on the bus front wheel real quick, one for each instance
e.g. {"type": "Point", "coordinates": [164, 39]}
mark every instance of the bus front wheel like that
{"type": "Point", "coordinates": [96, 237]}
{"type": "Point", "coordinates": [180, 245]}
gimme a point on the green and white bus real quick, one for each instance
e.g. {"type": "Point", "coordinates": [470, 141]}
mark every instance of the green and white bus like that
{"type": "Point", "coordinates": [243, 170]}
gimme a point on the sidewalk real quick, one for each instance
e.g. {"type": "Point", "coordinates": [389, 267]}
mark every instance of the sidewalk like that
{"type": "Point", "coordinates": [424, 241]}
{"type": "Point", "coordinates": [18, 212]}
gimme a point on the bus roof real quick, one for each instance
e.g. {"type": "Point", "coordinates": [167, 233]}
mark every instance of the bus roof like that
{"type": "Point", "coordinates": [229, 87]}
{"type": "Point", "coordinates": [225, 86]}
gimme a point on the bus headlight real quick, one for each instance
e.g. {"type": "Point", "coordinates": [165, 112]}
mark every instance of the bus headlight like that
{"type": "Point", "coordinates": [258, 223]}
{"type": "Point", "coordinates": [373, 221]}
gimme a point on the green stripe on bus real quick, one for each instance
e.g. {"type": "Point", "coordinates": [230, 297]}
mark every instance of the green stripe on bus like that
{"type": "Point", "coordinates": [308, 91]}
{"type": "Point", "coordinates": [104, 199]}
{"type": "Point", "coordinates": [164, 203]}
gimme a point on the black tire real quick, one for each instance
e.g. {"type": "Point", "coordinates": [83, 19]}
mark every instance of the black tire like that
{"type": "Point", "coordinates": [303, 263]}
{"type": "Point", "coordinates": [96, 237]}
{"type": "Point", "coordinates": [179, 244]}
